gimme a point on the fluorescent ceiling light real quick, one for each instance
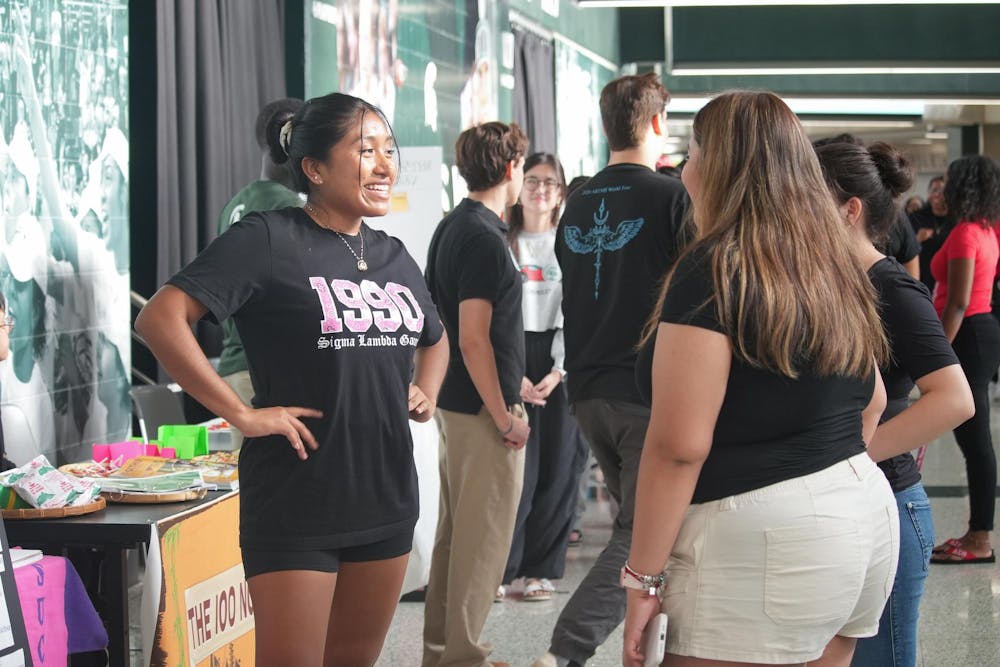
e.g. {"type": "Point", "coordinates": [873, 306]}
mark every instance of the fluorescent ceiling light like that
{"type": "Point", "coordinates": [841, 105]}
{"type": "Point", "coordinates": [757, 70]}
{"type": "Point", "coordinates": [819, 105]}
{"type": "Point", "coordinates": [883, 124]}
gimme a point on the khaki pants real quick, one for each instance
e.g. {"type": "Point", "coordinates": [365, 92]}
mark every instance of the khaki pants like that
{"type": "Point", "coordinates": [240, 383]}
{"type": "Point", "coordinates": [481, 483]}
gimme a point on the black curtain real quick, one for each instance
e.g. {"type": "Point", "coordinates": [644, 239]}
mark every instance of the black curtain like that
{"type": "Point", "coordinates": [218, 63]}
{"type": "Point", "coordinates": [535, 90]}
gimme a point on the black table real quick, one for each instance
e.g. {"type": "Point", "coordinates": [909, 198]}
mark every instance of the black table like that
{"type": "Point", "coordinates": [113, 531]}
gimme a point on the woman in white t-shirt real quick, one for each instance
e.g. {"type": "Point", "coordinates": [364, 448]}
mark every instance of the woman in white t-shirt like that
{"type": "Point", "coordinates": [555, 452]}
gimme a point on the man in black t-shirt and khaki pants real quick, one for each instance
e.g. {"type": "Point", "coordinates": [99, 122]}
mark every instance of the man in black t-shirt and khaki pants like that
{"type": "Point", "coordinates": [620, 233]}
{"type": "Point", "coordinates": [477, 288]}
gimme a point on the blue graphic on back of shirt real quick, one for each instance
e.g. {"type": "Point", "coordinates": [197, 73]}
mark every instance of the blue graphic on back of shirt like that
{"type": "Point", "coordinates": [602, 239]}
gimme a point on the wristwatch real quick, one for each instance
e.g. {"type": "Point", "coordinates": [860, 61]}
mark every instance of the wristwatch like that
{"type": "Point", "coordinates": [649, 583]}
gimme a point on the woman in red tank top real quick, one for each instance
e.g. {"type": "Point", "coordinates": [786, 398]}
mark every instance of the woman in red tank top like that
{"type": "Point", "coordinates": [965, 269]}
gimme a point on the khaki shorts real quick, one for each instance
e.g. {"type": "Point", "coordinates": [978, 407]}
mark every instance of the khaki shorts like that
{"type": "Point", "coordinates": [770, 576]}
{"type": "Point", "coordinates": [241, 384]}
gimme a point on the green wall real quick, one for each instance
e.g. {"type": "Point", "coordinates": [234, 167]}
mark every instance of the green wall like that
{"type": "Point", "coordinates": [952, 35]}
{"type": "Point", "coordinates": [945, 33]}
{"type": "Point", "coordinates": [448, 55]}
{"type": "Point", "coordinates": [595, 28]}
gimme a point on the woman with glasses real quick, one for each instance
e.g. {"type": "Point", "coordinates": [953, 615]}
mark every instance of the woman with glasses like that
{"type": "Point", "coordinates": [555, 452]}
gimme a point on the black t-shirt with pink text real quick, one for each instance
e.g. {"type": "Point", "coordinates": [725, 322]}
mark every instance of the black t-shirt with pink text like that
{"type": "Point", "coordinates": [319, 333]}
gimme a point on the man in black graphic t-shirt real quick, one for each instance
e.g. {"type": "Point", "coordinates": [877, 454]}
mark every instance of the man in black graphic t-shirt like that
{"type": "Point", "coordinates": [617, 238]}
{"type": "Point", "coordinates": [477, 287]}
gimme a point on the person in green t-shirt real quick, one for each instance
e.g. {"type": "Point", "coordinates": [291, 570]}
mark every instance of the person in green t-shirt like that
{"type": "Point", "coordinates": [271, 191]}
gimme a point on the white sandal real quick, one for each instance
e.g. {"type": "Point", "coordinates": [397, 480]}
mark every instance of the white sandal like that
{"type": "Point", "coordinates": [538, 590]}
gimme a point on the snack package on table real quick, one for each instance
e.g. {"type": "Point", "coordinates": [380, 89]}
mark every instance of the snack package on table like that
{"type": "Point", "coordinates": [44, 487]}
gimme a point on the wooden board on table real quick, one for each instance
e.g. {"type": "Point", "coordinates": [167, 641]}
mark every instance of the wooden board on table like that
{"type": "Point", "coordinates": [152, 498]}
{"type": "Point", "coordinates": [53, 512]}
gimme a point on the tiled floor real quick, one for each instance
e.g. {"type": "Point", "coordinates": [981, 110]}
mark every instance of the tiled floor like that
{"type": "Point", "coordinates": [960, 613]}
{"type": "Point", "coordinates": [960, 616]}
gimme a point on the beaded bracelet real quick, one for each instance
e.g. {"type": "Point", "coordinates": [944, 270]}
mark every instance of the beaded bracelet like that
{"type": "Point", "coordinates": [648, 583]}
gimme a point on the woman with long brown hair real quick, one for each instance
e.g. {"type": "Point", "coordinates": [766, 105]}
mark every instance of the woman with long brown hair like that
{"type": "Point", "coordinates": [781, 532]}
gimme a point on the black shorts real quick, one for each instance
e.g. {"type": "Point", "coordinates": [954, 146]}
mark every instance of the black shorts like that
{"type": "Point", "coordinates": [325, 560]}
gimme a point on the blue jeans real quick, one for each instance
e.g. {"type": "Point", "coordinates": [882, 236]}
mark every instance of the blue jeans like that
{"type": "Point", "coordinates": [895, 645]}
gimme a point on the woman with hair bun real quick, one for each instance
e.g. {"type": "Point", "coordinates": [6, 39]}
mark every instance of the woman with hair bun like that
{"type": "Point", "coordinates": [273, 190]}
{"type": "Point", "coordinates": [761, 524]}
{"type": "Point", "coordinates": [343, 345]}
{"type": "Point", "coordinates": [965, 269]}
{"type": "Point", "coordinates": [866, 184]}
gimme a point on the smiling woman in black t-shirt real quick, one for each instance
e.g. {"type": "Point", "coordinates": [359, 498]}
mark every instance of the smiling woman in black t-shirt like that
{"type": "Point", "coordinates": [866, 183]}
{"type": "Point", "coordinates": [754, 479]}
{"type": "Point", "coordinates": [344, 345]}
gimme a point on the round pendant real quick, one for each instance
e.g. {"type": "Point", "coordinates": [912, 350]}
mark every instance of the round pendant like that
{"type": "Point", "coordinates": [362, 265]}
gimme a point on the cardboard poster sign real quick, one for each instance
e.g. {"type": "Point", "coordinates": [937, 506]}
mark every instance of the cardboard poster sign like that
{"type": "Point", "coordinates": [417, 205]}
{"type": "Point", "coordinates": [203, 613]}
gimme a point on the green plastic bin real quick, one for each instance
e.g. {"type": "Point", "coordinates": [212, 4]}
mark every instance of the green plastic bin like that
{"type": "Point", "coordinates": [188, 440]}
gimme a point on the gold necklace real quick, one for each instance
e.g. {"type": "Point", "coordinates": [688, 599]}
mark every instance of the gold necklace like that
{"type": "Point", "coordinates": [362, 264]}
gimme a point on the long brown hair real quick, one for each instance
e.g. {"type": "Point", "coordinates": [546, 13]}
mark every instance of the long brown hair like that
{"type": "Point", "coordinates": [787, 285]}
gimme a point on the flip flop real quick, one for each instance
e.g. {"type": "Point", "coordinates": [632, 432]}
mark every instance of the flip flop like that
{"type": "Point", "coordinates": [958, 556]}
{"type": "Point", "coordinates": [953, 543]}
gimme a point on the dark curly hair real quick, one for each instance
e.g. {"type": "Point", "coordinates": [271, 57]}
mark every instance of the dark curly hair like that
{"type": "Point", "coordinates": [972, 190]}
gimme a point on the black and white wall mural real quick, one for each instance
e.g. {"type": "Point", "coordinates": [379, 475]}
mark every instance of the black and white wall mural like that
{"type": "Point", "coordinates": [64, 264]}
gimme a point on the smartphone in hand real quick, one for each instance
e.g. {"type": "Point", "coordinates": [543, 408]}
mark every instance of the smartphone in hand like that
{"type": "Point", "coordinates": [654, 640]}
